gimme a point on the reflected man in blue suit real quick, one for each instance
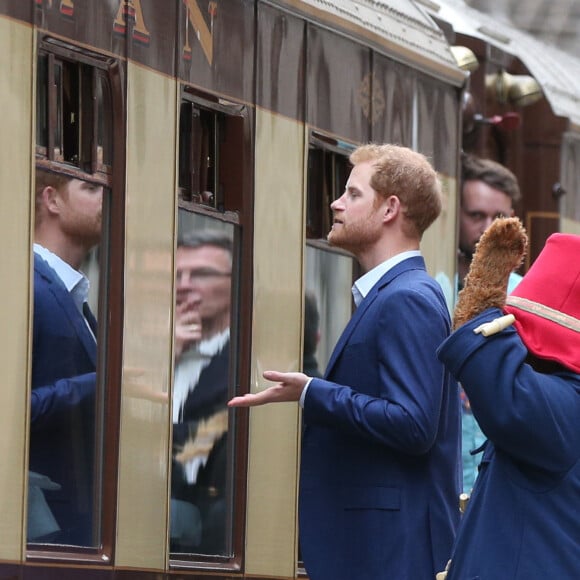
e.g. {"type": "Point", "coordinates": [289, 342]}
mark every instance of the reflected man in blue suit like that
{"type": "Point", "coordinates": [379, 481]}
{"type": "Point", "coordinates": [68, 217]}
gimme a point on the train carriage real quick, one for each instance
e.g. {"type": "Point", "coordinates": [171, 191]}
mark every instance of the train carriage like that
{"type": "Point", "coordinates": [229, 116]}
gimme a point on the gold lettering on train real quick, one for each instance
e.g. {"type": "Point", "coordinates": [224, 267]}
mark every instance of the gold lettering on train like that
{"type": "Point", "coordinates": [203, 32]}
{"type": "Point", "coordinates": [131, 9]}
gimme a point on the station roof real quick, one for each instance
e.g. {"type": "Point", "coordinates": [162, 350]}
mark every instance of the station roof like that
{"type": "Point", "coordinates": [557, 72]}
{"type": "Point", "coordinates": [555, 22]}
{"type": "Point", "coordinates": [400, 26]}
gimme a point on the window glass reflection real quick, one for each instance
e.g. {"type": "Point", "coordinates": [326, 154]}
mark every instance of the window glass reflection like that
{"type": "Point", "coordinates": [329, 277]}
{"type": "Point", "coordinates": [64, 474]}
{"type": "Point", "coordinates": [205, 267]}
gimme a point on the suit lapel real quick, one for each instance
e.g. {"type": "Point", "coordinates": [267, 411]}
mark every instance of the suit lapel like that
{"type": "Point", "coordinates": [408, 264]}
{"type": "Point", "coordinates": [349, 329]}
{"type": "Point", "coordinates": [64, 299]}
{"type": "Point", "coordinates": [90, 317]}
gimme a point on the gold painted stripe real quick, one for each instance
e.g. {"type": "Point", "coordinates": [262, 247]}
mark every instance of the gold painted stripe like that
{"type": "Point", "coordinates": [544, 312]}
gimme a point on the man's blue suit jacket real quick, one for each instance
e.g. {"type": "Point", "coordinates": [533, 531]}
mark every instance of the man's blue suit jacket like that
{"type": "Point", "coordinates": [64, 358]}
{"type": "Point", "coordinates": [380, 470]}
{"type": "Point", "coordinates": [522, 519]}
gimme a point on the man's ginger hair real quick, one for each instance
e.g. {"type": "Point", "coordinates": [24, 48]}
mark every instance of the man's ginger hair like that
{"type": "Point", "coordinates": [46, 179]}
{"type": "Point", "coordinates": [402, 172]}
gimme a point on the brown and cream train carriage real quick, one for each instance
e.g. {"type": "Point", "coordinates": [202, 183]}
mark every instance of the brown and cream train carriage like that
{"type": "Point", "coordinates": [235, 116]}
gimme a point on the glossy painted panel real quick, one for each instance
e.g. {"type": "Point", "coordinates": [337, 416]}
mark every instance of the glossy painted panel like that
{"type": "Point", "coordinates": [439, 244]}
{"type": "Point", "coordinates": [16, 202]}
{"type": "Point", "coordinates": [394, 86]}
{"type": "Point", "coordinates": [437, 135]}
{"type": "Point", "coordinates": [338, 81]}
{"type": "Point", "coordinates": [216, 42]}
{"type": "Point", "coordinates": [150, 225]}
{"type": "Point", "coordinates": [280, 62]}
{"type": "Point", "coordinates": [277, 330]}
{"type": "Point", "coordinates": [90, 23]}
{"type": "Point", "coordinates": [19, 9]}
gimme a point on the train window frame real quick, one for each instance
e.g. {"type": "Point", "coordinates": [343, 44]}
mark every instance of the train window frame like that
{"type": "Point", "coordinates": [220, 121]}
{"type": "Point", "coordinates": [109, 71]}
{"type": "Point", "coordinates": [74, 145]}
{"type": "Point", "coordinates": [328, 168]}
{"type": "Point", "coordinates": [232, 204]}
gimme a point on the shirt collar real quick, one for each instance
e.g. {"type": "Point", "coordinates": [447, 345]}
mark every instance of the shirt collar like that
{"type": "Point", "coordinates": [364, 284]}
{"type": "Point", "coordinates": [75, 282]}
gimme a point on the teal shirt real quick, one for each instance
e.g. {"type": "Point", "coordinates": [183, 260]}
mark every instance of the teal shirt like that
{"type": "Point", "coordinates": [472, 437]}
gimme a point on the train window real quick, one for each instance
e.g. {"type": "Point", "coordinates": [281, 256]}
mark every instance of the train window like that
{"type": "Point", "coordinates": [329, 277]}
{"type": "Point", "coordinates": [206, 267]}
{"type": "Point", "coordinates": [73, 121]}
{"type": "Point", "coordinates": [198, 159]}
{"type": "Point", "coordinates": [329, 271]}
{"type": "Point", "coordinates": [210, 134]}
{"type": "Point", "coordinates": [207, 323]}
{"type": "Point", "coordinates": [72, 448]}
{"type": "Point", "coordinates": [67, 391]}
{"type": "Point", "coordinates": [328, 169]}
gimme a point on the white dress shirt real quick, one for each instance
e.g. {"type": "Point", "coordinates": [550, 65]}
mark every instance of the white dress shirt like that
{"type": "Point", "coordinates": [76, 282]}
{"type": "Point", "coordinates": [364, 285]}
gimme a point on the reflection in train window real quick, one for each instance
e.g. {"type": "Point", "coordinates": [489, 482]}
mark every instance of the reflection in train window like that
{"type": "Point", "coordinates": [328, 169]}
{"type": "Point", "coordinates": [66, 402]}
{"type": "Point", "coordinates": [206, 266]}
{"type": "Point", "coordinates": [329, 277]}
{"type": "Point", "coordinates": [329, 271]}
{"type": "Point", "coordinates": [69, 449]}
{"type": "Point", "coordinates": [207, 324]}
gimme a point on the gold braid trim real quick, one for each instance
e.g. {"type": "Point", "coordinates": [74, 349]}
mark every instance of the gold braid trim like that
{"type": "Point", "coordinates": [544, 312]}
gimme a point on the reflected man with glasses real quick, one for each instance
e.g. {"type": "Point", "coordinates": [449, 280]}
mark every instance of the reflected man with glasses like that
{"type": "Point", "coordinates": [202, 353]}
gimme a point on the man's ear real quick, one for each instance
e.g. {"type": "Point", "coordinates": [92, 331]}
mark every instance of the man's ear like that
{"type": "Point", "coordinates": [391, 208]}
{"type": "Point", "coordinates": [51, 199]}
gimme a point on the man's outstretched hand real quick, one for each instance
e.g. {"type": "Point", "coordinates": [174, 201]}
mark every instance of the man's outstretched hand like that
{"type": "Point", "coordinates": [289, 387]}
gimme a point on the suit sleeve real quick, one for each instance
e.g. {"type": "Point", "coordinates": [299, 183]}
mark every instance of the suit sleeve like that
{"type": "Point", "coordinates": [48, 402]}
{"type": "Point", "coordinates": [63, 373]}
{"type": "Point", "coordinates": [392, 384]}
{"type": "Point", "coordinates": [531, 416]}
